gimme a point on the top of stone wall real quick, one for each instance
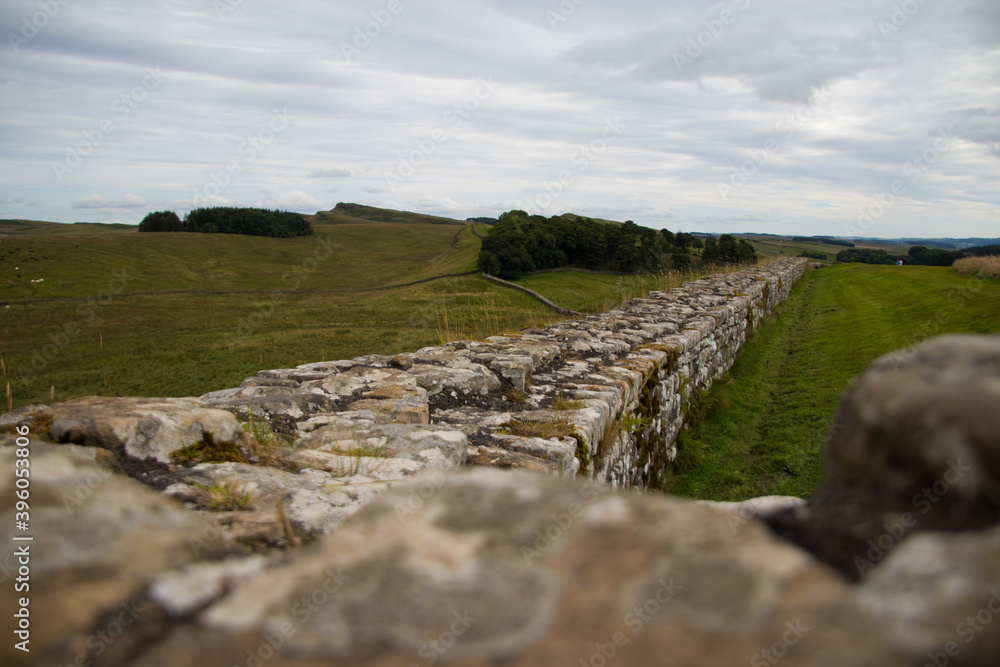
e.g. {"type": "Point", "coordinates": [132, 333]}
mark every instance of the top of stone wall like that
{"type": "Point", "coordinates": [477, 386]}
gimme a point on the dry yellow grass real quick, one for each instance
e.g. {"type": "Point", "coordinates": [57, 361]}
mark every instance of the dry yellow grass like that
{"type": "Point", "coordinates": [984, 267]}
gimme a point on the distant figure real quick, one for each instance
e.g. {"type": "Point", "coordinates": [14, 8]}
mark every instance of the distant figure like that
{"type": "Point", "coordinates": [899, 262]}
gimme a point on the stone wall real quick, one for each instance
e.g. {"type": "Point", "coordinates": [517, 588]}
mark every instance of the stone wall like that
{"type": "Point", "coordinates": [605, 395]}
{"type": "Point", "coordinates": [163, 532]}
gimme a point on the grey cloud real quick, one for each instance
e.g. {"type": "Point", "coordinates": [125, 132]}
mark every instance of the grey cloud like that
{"type": "Point", "coordinates": [329, 173]}
{"type": "Point", "coordinates": [980, 125]}
{"type": "Point", "coordinates": [97, 202]}
{"type": "Point", "coordinates": [686, 129]}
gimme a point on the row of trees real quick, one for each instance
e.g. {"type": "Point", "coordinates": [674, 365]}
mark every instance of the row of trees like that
{"type": "Point", "coordinates": [519, 243]}
{"type": "Point", "coordinates": [727, 250]}
{"type": "Point", "coordinates": [229, 220]}
{"type": "Point", "coordinates": [829, 240]}
{"type": "Point", "coordinates": [918, 254]}
{"type": "Point", "coordinates": [983, 250]}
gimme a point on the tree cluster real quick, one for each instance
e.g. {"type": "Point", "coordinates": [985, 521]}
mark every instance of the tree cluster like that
{"type": "Point", "coordinates": [727, 250]}
{"type": "Point", "coordinates": [229, 220]}
{"type": "Point", "coordinates": [918, 254]}
{"type": "Point", "coordinates": [830, 240]}
{"type": "Point", "coordinates": [983, 250]}
{"type": "Point", "coordinates": [520, 243]}
{"type": "Point", "coordinates": [866, 256]}
{"type": "Point", "coordinates": [161, 221]}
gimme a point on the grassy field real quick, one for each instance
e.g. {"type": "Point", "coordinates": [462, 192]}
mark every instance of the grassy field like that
{"type": "Point", "coordinates": [336, 256]}
{"type": "Point", "coordinates": [188, 344]}
{"type": "Point", "coordinates": [765, 422]}
{"type": "Point", "coordinates": [13, 227]}
{"type": "Point", "coordinates": [599, 292]}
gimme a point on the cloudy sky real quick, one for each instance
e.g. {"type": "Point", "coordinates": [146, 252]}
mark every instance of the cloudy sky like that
{"type": "Point", "coordinates": [854, 117]}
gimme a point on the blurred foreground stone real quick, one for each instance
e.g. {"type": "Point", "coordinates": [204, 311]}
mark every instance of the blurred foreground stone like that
{"type": "Point", "coordinates": [914, 446]}
{"type": "Point", "coordinates": [406, 560]}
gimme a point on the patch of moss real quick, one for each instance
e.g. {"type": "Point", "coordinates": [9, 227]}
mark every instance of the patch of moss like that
{"type": "Point", "coordinates": [560, 428]}
{"type": "Point", "coordinates": [673, 355]}
{"type": "Point", "coordinates": [567, 403]}
{"type": "Point", "coordinates": [538, 429]}
{"type": "Point", "coordinates": [583, 456]}
{"type": "Point", "coordinates": [226, 496]}
{"type": "Point", "coordinates": [38, 427]}
{"type": "Point", "coordinates": [651, 446]}
{"type": "Point", "coordinates": [515, 396]}
{"type": "Point", "coordinates": [633, 424]}
{"type": "Point", "coordinates": [209, 452]}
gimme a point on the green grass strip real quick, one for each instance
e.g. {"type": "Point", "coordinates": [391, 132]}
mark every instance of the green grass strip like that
{"type": "Point", "coordinates": [762, 426]}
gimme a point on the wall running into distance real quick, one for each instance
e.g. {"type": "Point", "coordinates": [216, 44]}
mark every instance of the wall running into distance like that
{"type": "Point", "coordinates": [603, 396]}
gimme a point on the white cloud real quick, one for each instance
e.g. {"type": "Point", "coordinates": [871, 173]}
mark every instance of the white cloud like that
{"type": "Point", "coordinates": [97, 202]}
{"type": "Point", "coordinates": [329, 173]}
{"type": "Point", "coordinates": [293, 200]}
{"type": "Point", "coordinates": [686, 125]}
{"type": "Point", "coordinates": [201, 202]}
{"type": "Point", "coordinates": [436, 205]}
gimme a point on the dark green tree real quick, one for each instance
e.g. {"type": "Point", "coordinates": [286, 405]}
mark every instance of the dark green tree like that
{"type": "Point", "coordinates": [727, 249]}
{"type": "Point", "coordinates": [865, 256]}
{"type": "Point", "coordinates": [710, 254]}
{"type": "Point", "coordinates": [745, 254]}
{"type": "Point", "coordinates": [161, 221]}
{"type": "Point", "coordinates": [922, 255]}
{"type": "Point", "coordinates": [679, 259]}
{"type": "Point", "coordinates": [251, 221]}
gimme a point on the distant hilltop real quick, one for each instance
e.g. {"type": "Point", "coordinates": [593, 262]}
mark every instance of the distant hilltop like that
{"type": "Point", "coordinates": [388, 215]}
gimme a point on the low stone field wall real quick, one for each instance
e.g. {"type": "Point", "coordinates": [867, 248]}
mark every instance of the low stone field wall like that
{"type": "Point", "coordinates": [604, 395]}
{"type": "Point", "coordinates": [361, 535]}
